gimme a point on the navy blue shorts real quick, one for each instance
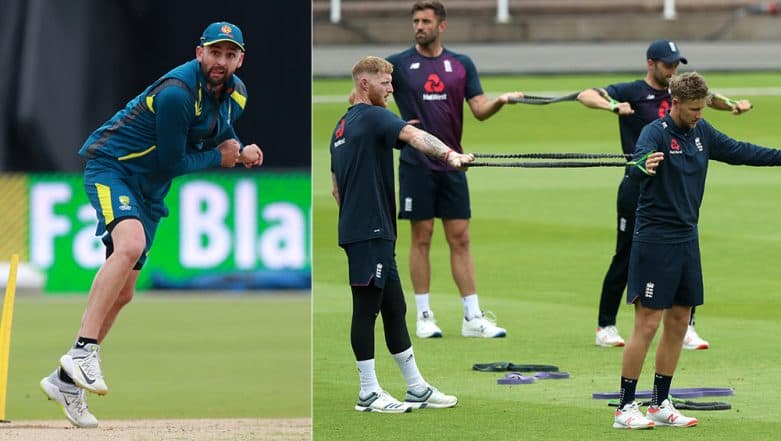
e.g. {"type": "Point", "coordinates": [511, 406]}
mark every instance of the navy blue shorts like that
{"type": "Point", "coordinates": [371, 261]}
{"type": "Point", "coordinates": [663, 275]}
{"type": "Point", "coordinates": [426, 194]}
{"type": "Point", "coordinates": [115, 197]}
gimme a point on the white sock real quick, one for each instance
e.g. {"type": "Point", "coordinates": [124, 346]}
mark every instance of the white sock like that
{"type": "Point", "coordinates": [421, 300]}
{"type": "Point", "coordinates": [409, 369]}
{"type": "Point", "coordinates": [472, 307]}
{"type": "Point", "coordinates": [368, 377]}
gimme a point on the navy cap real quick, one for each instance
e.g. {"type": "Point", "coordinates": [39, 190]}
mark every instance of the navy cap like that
{"type": "Point", "coordinates": [665, 50]}
{"type": "Point", "coordinates": [222, 31]}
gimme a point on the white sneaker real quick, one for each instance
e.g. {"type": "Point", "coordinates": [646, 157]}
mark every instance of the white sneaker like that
{"type": "Point", "coordinates": [608, 337]}
{"type": "Point", "coordinates": [381, 402]}
{"type": "Point", "coordinates": [427, 326]}
{"type": "Point", "coordinates": [83, 365]}
{"type": "Point", "coordinates": [630, 417]}
{"type": "Point", "coordinates": [429, 397]}
{"type": "Point", "coordinates": [482, 326]}
{"type": "Point", "coordinates": [70, 398]}
{"type": "Point", "coordinates": [693, 341]}
{"type": "Point", "coordinates": [667, 415]}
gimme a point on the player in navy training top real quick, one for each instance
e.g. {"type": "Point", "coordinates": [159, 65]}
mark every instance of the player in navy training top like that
{"type": "Point", "coordinates": [362, 172]}
{"type": "Point", "coordinates": [181, 123]}
{"type": "Point", "coordinates": [665, 272]}
{"type": "Point", "coordinates": [638, 103]}
{"type": "Point", "coordinates": [430, 85]}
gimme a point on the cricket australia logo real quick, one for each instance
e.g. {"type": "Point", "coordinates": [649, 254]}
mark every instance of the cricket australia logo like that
{"type": "Point", "coordinates": [649, 290]}
{"type": "Point", "coordinates": [378, 271]}
{"type": "Point", "coordinates": [124, 203]}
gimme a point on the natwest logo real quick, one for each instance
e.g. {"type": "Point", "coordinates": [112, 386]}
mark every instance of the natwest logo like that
{"type": "Point", "coordinates": [664, 107]}
{"type": "Point", "coordinates": [675, 148]}
{"type": "Point", "coordinates": [434, 88]}
{"type": "Point", "coordinates": [434, 84]}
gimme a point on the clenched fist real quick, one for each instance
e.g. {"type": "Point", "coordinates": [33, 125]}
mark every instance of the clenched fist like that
{"type": "Point", "coordinates": [251, 155]}
{"type": "Point", "coordinates": [229, 153]}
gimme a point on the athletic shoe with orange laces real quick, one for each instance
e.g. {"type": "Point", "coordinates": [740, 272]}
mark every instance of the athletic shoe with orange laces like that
{"type": "Point", "coordinates": [666, 414]}
{"type": "Point", "coordinates": [630, 417]}
{"type": "Point", "coordinates": [608, 337]}
{"type": "Point", "coordinates": [692, 341]}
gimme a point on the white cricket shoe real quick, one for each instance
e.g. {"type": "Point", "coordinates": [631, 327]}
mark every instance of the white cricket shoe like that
{"type": "Point", "coordinates": [693, 341]}
{"type": "Point", "coordinates": [608, 337]}
{"type": "Point", "coordinates": [483, 326]}
{"type": "Point", "coordinates": [427, 326]}
{"type": "Point", "coordinates": [381, 402]}
{"type": "Point", "coordinates": [70, 398]}
{"type": "Point", "coordinates": [666, 414]}
{"type": "Point", "coordinates": [430, 398]}
{"type": "Point", "coordinates": [83, 365]}
{"type": "Point", "coordinates": [630, 417]}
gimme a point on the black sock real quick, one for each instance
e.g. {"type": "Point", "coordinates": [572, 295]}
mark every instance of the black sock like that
{"type": "Point", "coordinates": [64, 376]}
{"type": "Point", "coordinates": [661, 388]}
{"type": "Point", "coordinates": [628, 388]}
{"type": "Point", "coordinates": [82, 341]}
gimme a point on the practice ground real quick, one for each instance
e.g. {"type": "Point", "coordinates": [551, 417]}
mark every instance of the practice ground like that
{"type": "Point", "coordinates": [292, 429]}
{"type": "Point", "coordinates": [199, 366]}
{"type": "Point", "coordinates": [542, 240]}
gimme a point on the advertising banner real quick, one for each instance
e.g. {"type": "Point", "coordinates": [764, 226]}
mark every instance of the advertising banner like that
{"type": "Point", "coordinates": [224, 231]}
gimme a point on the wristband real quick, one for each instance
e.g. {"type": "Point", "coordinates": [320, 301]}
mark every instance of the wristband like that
{"type": "Point", "coordinates": [613, 105]}
{"type": "Point", "coordinates": [446, 155]}
{"type": "Point", "coordinates": [730, 102]}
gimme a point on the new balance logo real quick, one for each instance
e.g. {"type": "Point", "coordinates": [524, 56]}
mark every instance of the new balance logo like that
{"type": "Point", "coordinates": [378, 271]}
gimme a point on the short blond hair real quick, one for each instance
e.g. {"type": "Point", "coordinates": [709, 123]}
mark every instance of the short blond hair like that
{"type": "Point", "coordinates": [371, 65]}
{"type": "Point", "coordinates": [688, 87]}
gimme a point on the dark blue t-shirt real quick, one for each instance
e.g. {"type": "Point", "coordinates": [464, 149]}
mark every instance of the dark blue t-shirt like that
{"type": "Point", "coordinates": [432, 90]}
{"type": "Point", "coordinates": [669, 205]}
{"type": "Point", "coordinates": [648, 103]}
{"type": "Point", "coordinates": [362, 162]}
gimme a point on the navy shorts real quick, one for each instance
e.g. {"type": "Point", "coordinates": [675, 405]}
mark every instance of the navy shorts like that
{"type": "Point", "coordinates": [115, 196]}
{"type": "Point", "coordinates": [371, 261]}
{"type": "Point", "coordinates": [426, 194]}
{"type": "Point", "coordinates": [663, 275]}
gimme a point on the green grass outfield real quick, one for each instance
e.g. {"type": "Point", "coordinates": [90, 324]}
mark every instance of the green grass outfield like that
{"type": "Point", "coordinates": [542, 240]}
{"type": "Point", "coordinates": [173, 356]}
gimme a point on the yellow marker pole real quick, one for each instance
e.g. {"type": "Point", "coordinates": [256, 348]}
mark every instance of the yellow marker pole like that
{"type": "Point", "coordinates": [5, 332]}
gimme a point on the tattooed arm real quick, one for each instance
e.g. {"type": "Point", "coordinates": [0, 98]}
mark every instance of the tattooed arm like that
{"type": "Point", "coordinates": [432, 146]}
